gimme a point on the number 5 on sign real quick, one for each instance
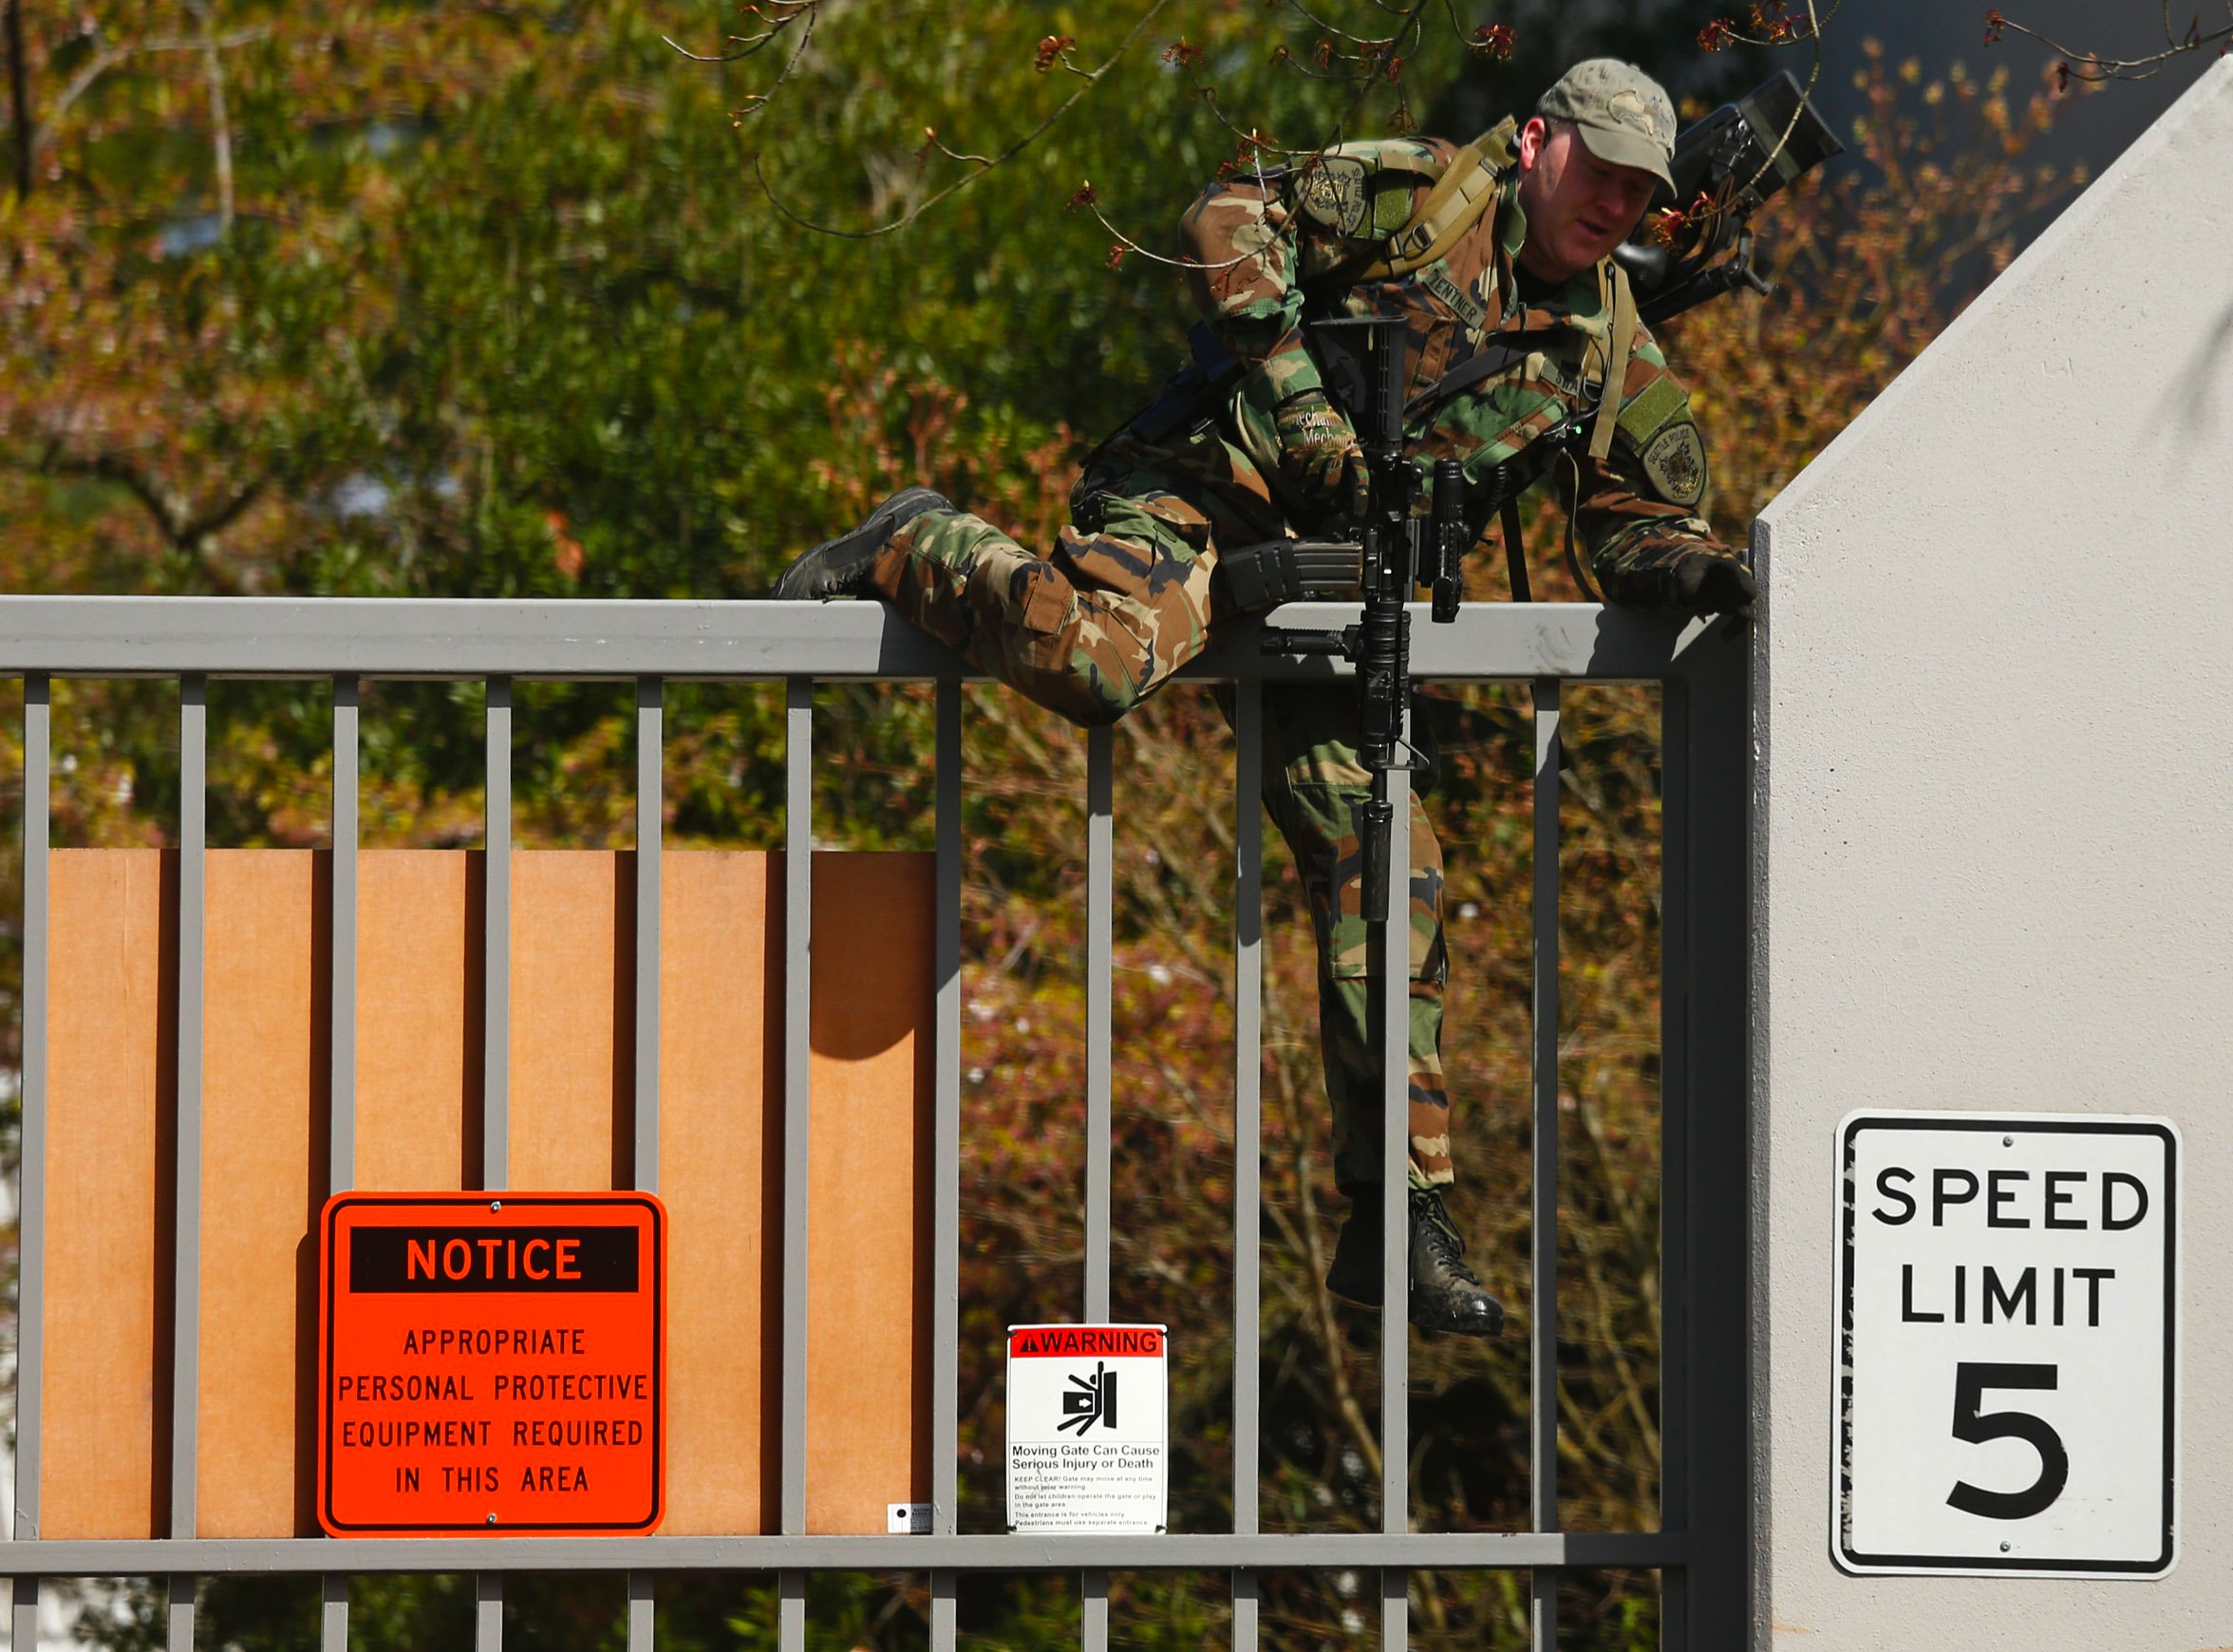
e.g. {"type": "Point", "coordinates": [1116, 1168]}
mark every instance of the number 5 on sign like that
{"type": "Point", "coordinates": [1970, 1381]}
{"type": "Point", "coordinates": [2006, 1345]}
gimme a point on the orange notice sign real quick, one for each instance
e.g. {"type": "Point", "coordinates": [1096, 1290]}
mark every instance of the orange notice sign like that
{"type": "Point", "coordinates": [491, 1363]}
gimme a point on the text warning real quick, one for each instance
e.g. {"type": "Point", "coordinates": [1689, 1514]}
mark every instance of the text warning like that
{"type": "Point", "coordinates": [1088, 1428]}
{"type": "Point", "coordinates": [491, 1363]}
{"type": "Point", "coordinates": [2007, 1340]}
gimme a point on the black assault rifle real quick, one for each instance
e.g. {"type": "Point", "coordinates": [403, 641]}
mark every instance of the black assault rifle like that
{"type": "Point", "coordinates": [1365, 362]}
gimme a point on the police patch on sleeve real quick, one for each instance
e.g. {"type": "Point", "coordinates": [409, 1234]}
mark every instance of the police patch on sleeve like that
{"type": "Point", "coordinates": [1334, 192]}
{"type": "Point", "coordinates": [1674, 459]}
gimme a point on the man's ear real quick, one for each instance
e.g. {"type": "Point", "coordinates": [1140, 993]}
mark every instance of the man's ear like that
{"type": "Point", "coordinates": [1532, 137]}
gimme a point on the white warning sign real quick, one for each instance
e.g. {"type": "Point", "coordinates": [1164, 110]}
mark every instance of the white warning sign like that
{"type": "Point", "coordinates": [1088, 1428]}
{"type": "Point", "coordinates": [2008, 1344]}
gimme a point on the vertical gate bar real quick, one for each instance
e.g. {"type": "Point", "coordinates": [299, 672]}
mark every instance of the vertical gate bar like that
{"type": "Point", "coordinates": [791, 1608]}
{"type": "Point", "coordinates": [496, 1034]}
{"type": "Point", "coordinates": [1675, 1609]}
{"type": "Point", "coordinates": [23, 1616]}
{"type": "Point", "coordinates": [650, 846]}
{"type": "Point", "coordinates": [1100, 882]}
{"type": "Point", "coordinates": [1247, 1132]}
{"type": "Point", "coordinates": [341, 1041]}
{"type": "Point", "coordinates": [944, 1624]}
{"type": "Point", "coordinates": [495, 1083]}
{"type": "Point", "coordinates": [186, 1185]}
{"type": "Point", "coordinates": [797, 1116]}
{"type": "Point", "coordinates": [178, 1615]}
{"type": "Point", "coordinates": [1389, 957]}
{"type": "Point", "coordinates": [31, 1172]}
{"type": "Point", "coordinates": [1099, 938]}
{"type": "Point", "coordinates": [1395, 1608]}
{"type": "Point", "coordinates": [1675, 1408]}
{"type": "Point", "coordinates": [31, 1185]}
{"type": "Point", "coordinates": [946, 1168]}
{"type": "Point", "coordinates": [1711, 1355]}
{"type": "Point", "coordinates": [1543, 1220]}
{"type": "Point", "coordinates": [488, 1611]}
{"type": "Point", "coordinates": [333, 1604]}
{"type": "Point", "coordinates": [341, 1004]}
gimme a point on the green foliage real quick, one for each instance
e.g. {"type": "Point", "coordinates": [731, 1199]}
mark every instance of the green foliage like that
{"type": "Point", "coordinates": [499, 308]}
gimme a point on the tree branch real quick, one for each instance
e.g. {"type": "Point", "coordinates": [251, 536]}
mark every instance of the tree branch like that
{"type": "Point", "coordinates": [191, 535]}
{"type": "Point", "coordinates": [2093, 66]}
{"type": "Point", "coordinates": [220, 123]}
{"type": "Point", "coordinates": [19, 88]}
{"type": "Point", "coordinates": [1093, 79]}
{"type": "Point", "coordinates": [107, 57]}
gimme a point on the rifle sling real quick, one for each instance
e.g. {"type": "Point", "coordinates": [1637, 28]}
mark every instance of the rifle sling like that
{"type": "Point", "coordinates": [1515, 555]}
{"type": "Point", "coordinates": [1508, 350]}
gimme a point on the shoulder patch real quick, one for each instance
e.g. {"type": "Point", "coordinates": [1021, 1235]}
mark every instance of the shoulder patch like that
{"type": "Point", "coordinates": [1657, 404]}
{"type": "Point", "coordinates": [1334, 193]}
{"type": "Point", "coordinates": [1674, 459]}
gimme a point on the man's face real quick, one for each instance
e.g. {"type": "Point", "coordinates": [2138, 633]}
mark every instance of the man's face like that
{"type": "Point", "coordinates": [1579, 208]}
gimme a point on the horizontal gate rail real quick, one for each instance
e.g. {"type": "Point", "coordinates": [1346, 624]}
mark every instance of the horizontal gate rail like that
{"type": "Point", "coordinates": [1701, 1552]}
{"type": "Point", "coordinates": [579, 640]}
{"type": "Point", "coordinates": [968, 1551]}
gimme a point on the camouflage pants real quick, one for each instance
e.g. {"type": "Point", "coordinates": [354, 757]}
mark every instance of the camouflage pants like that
{"type": "Point", "coordinates": [1089, 629]}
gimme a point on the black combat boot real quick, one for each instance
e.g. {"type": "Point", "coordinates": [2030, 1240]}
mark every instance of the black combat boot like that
{"type": "Point", "coordinates": [1445, 1296]}
{"type": "Point", "coordinates": [840, 567]}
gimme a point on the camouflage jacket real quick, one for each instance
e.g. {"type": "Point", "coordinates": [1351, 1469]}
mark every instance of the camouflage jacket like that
{"type": "Point", "coordinates": [1263, 250]}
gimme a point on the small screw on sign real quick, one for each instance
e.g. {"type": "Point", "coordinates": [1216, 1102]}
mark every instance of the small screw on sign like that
{"type": "Point", "coordinates": [2004, 1547]}
{"type": "Point", "coordinates": [492, 1520]}
{"type": "Point", "coordinates": [495, 1205]}
{"type": "Point", "coordinates": [2008, 1141]}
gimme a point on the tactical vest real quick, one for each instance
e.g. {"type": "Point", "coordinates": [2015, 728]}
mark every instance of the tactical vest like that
{"type": "Point", "coordinates": [1365, 196]}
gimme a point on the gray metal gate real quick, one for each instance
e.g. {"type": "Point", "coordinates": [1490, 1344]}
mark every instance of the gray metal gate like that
{"type": "Point", "coordinates": [1702, 1550]}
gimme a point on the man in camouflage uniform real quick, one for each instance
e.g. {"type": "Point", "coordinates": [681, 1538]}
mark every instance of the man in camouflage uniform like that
{"type": "Point", "coordinates": [1514, 278]}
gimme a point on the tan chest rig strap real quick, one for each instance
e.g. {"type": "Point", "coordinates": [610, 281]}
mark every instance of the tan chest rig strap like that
{"type": "Point", "coordinates": [1616, 372]}
{"type": "Point", "coordinates": [1466, 190]}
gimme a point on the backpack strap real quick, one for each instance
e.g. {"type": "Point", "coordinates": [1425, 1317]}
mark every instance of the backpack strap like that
{"type": "Point", "coordinates": [1616, 377]}
{"type": "Point", "coordinates": [1465, 191]}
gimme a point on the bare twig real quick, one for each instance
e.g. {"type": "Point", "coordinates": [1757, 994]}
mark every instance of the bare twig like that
{"type": "Point", "coordinates": [220, 122]}
{"type": "Point", "coordinates": [1093, 78]}
{"type": "Point", "coordinates": [747, 44]}
{"type": "Point", "coordinates": [107, 57]}
{"type": "Point", "coordinates": [757, 102]}
{"type": "Point", "coordinates": [2093, 67]}
{"type": "Point", "coordinates": [1254, 144]}
{"type": "Point", "coordinates": [1322, 1317]}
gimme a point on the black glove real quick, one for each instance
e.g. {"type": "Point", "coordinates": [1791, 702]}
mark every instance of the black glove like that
{"type": "Point", "coordinates": [1320, 457]}
{"type": "Point", "coordinates": [1705, 584]}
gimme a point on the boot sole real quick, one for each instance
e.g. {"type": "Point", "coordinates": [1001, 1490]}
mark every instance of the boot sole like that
{"type": "Point", "coordinates": [1480, 1330]}
{"type": "Point", "coordinates": [832, 556]}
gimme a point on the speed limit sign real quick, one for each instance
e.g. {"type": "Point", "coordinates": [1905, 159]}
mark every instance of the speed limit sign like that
{"type": "Point", "coordinates": [2007, 1345]}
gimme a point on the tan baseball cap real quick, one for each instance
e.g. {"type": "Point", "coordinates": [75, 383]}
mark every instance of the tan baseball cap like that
{"type": "Point", "coordinates": [1624, 116]}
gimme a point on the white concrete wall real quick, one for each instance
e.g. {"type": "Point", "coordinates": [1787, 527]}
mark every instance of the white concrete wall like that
{"type": "Point", "coordinates": [1995, 850]}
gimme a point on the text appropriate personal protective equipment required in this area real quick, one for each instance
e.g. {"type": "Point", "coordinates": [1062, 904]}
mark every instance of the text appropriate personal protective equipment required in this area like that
{"type": "Point", "coordinates": [491, 1363]}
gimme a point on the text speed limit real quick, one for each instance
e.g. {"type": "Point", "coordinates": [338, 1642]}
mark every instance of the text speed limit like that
{"type": "Point", "coordinates": [2006, 1345]}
